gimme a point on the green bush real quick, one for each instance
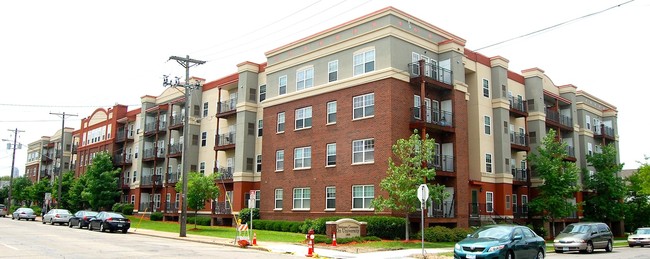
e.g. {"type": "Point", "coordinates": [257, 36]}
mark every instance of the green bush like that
{"type": "Point", "coordinates": [326, 240]}
{"type": "Point", "coordinates": [127, 209]}
{"type": "Point", "coordinates": [278, 225]}
{"type": "Point", "coordinates": [245, 215]}
{"type": "Point", "coordinates": [117, 207]}
{"type": "Point", "coordinates": [444, 234]}
{"type": "Point", "coordinates": [37, 210]}
{"type": "Point", "coordinates": [539, 230]}
{"type": "Point", "coordinates": [384, 227]}
{"type": "Point", "coordinates": [201, 221]}
{"type": "Point", "coordinates": [156, 216]}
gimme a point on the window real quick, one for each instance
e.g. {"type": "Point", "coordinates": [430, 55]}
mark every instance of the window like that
{"type": "Point", "coordinates": [489, 201]}
{"type": "Point", "coordinates": [204, 138]}
{"type": "Point", "coordinates": [259, 163]}
{"type": "Point", "coordinates": [202, 168]}
{"type": "Point", "coordinates": [301, 198]}
{"type": "Point", "coordinates": [205, 109]}
{"type": "Point", "coordinates": [331, 154]}
{"type": "Point", "coordinates": [304, 78]}
{"type": "Point", "coordinates": [156, 200]}
{"type": "Point", "coordinates": [333, 70]}
{"type": "Point", "coordinates": [252, 94]}
{"type": "Point", "coordinates": [282, 85]}
{"type": "Point", "coordinates": [168, 199]}
{"type": "Point", "coordinates": [331, 112]}
{"type": "Point", "coordinates": [197, 110]}
{"type": "Point", "coordinates": [524, 203]}
{"type": "Point", "coordinates": [302, 158]}
{"type": "Point", "coordinates": [262, 93]}
{"type": "Point", "coordinates": [364, 62]}
{"type": "Point", "coordinates": [416, 107]}
{"type": "Point", "coordinates": [177, 201]}
{"type": "Point", "coordinates": [251, 128]}
{"type": "Point", "coordinates": [363, 106]}
{"type": "Point", "coordinates": [590, 149]}
{"type": "Point", "coordinates": [195, 140]}
{"type": "Point", "coordinates": [487, 125]}
{"type": "Point", "coordinates": [249, 164]}
{"type": "Point", "coordinates": [303, 118]}
{"type": "Point", "coordinates": [488, 163]}
{"type": "Point", "coordinates": [363, 151]}
{"type": "Point", "coordinates": [135, 176]}
{"type": "Point", "coordinates": [280, 122]}
{"type": "Point", "coordinates": [133, 199]}
{"type": "Point", "coordinates": [278, 199]}
{"type": "Point", "coordinates": [260, 125]}
{"type": "Point", "coordinates": [588, 121]}
{"type": "Point", "coordinates": [508, 202]}
{"type": "Point", "coordinates": [486, 88]}
{"type": "Point", "coordinates": [330, 198]}
{"type": "Point", "coordinates": [362, 196]}
{"type": "Point", "coordinates": [279, 160]}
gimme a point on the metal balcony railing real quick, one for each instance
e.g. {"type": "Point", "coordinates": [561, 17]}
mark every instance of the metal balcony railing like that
{"type": "Point", "coordinates": [559, 118]}
{"type": "Point", "coordinates": [150, 127]}
{"type": "Point", "coordinates": [519, 139]}
{"type": "Point", "coordinates": [176, 121]}
{"type": "Point", "coordinates": [432, 71]}
{"type": "Point", "coordinates": [443, 163]}
{"type": "Point", "coordinates": [570, 151]}
{"type": "Point", "coordinates": [226, 106]}
{"type": "Point", "coordinates": [172, 177]}
{"type": "Point", "coordinates": [171, 208]}
{"type": "Point", "coordinates": [441, 210]}
{"type": "Point", "coordinates": [520, 211]}
{"type": "Point", "coordinates": [225, 173]}
{"type": "Point", "coordinates": [226, 139]}
{"type": "Point", "coordinates": [432, 116]}
{"type": "Point", "coordinates": [519, 174]}
{"type": "Point", "coordinates": [175, 149]}
{"type": "Point", "coordinates": [602, 130]}
{"type": "Point", "coordinates": [162, 125]}
{"type": "Point", "coordinates": [519, 105]}
{"type": "Point", "coordinates": [148, 153]}
{"type": "Point", "coordinates": [222, 208]}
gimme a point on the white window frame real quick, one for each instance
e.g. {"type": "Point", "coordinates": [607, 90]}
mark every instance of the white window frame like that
{"type": "Point", "coordinates": [303, 117]}
{"type": "Point", "coordinates": [304, 78]}
{"type": "Point", "coordinates": [363, 147]}
{"type": "Point", "coordinates": [487, 125]}
{"type": "Point", "coordinates": [206, 107]}
{"type": "Point", "coordinates": [590, 149]}
{"type": "Point", "coordinates": [331, 112]}
{"type": "Point", "coordinates": [262, 95]}
{"type": "Point", "coordinates": [417, 105]}
{"type": "Point", "coordinates": [156, 200]}
{"type": "Point", "coordinates": [366, 103]}
{"type": "Point", "coordinates": [258, 163]}
{"type": "Point", "coordinates": [202, 167]}
{"type": "Point", "coordinates": [302, 158]}
{"type": "Point", "coordinates": [204, 138]}
{"type": "Point", "coordinates": [302, 198]}
{"type": "Point", "coordinates": [489, 201]}
{"type": "Point", "coordinates": [279, 195]}
{"type": "Point", "coordinates": [486, 88]}
{"type": "Point", "coordinates": [330, 156]}
{"type": "Point", "coordinates": [260, 127]}
{"type": "Point", "coordinates": [588, 121]}
{"type": "Point", "coordinates": [281, 122]}
{"type": "Point", "coordinates": [364, 205]}
{"type": "Point", "coordinates": [488, 163]}
{"type": "Point", "coordinates": [177, 201]}
{"type": "Point", "coordinates": [507, 202]}
{"type": "Point", "coordinates": [282, 85]}
{"type": "Point", "coordinates": [133, 199]}
{"type": "Point", "coordinates": [330, 195]}
{"type": "Point", "coordinates": [360, 61]}
{"type": "Point", "coordinates": [332, 67]}
{"type": "Point", "coordinates": [279, 160]}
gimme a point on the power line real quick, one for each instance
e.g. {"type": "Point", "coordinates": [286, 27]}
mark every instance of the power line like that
{"type": "Point", "coordinates": [554, 26]}
{"type": "Point", "coordinates": [60, 106]}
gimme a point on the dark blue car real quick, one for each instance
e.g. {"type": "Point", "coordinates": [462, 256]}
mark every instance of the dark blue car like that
{"type": "Point", "coordinates": [501, 241]}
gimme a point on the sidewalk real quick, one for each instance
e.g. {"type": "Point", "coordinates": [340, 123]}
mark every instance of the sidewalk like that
{"type": "Point", "coordinates": [287, 248]}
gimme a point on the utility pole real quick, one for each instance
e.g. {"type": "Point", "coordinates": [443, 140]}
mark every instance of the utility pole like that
{"type": "Point", "coordinates": [186, 62]}
{"type": "Point", "coordinates": [13, 161]}
{"type": "Point", "coordinates": [63, 114]}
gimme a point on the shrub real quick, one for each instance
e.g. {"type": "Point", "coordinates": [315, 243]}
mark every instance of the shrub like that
{"type": "Point", "coordinates": [201, 221]}
{"type": "Point", "coordinates": [539, 230]}
{"type": "Point", "coordinates": [461, 233]}
{"type": "Point", "coordinates": [117, 207]}
{"type": "Point", "coordinates": [245, 214]}
{"type": "Point", "coordinates": [37, 210]}
{"type": "Point", "coordinates": [384, 227]}
{"type": "Point", "coordinates": [156, 216]}
{"type": "Point", "coordinates": [127, 209]}
{"type": "Point", "coordinates": [444, 234]}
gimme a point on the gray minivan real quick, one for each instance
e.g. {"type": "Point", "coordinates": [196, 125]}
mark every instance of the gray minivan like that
{"type": "Point", "coordinates": [584, 237]}
{"type": "Point", "coordinates": [3, 210]}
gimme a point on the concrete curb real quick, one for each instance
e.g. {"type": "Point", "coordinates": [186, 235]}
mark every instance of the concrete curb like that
{"type": "Point", "coordinates": [190, 239]}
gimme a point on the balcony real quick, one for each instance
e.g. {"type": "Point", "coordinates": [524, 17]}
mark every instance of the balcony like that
{"type": "Point", "coordinates": [145, 206]}
{"type": "Point", "coordinates": [46, 158]}
{"type": "Point", "coordinates": [604, 132]}
{"type": "Point", "coordinates": [172, 177]}
{"type": "Point", "coordinates": [441, 210]}
{"type": "Point", "coordinates": [148, 154]}
{"type": "Point", "coordinates": [175, 149]}
{"type": "Point", "coordinates": [519, 141]}
{"type": "Point", "coordinates": [150, 128]}
{"type": "Point", "coordinates": [122, 159]}
{"type": "Point", "coordinates": [45, 173]}
{"type": "Point", "coordinates": [442, 164]}
{"type": "Point", "coordinates": [556, 119]}
{"type": "Point", "coordinates": [176, 122]}
{"type": "Point", "coordinates": [171, 207]}
{"type": "Point", "coordinates": [225, 173]}
{"type": "Point", "coordinates": [162, 126]}
{"type": "Point", "coordinates": [225, 141]}
{"type": "Point", "coordinates": [431, 74]}
{"type": "Point", "coordinates": [518, 108]}
{"type": "Point", "coordinates": [438, 120]}
{"type": "Point", "coordinates": [74, 149]}
{"type": "Point", "coordinates": [226, 108]}
{"type": "Point", "coordinates": [125, 182]}
{"type": "Point", "coordinates": [221, 208]}
{"type": "Point", "coordinates": [519, 175]}
{"type": "Point", "coordinates": [124, 135]}
{"type": "Point", "coordinates": [520, 211]}
{"type": "Point", "coordinates": [149, 180]}
{"type": "Point", "coordinates": [571, 154]}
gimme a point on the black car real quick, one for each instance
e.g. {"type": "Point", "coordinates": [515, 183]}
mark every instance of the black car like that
{"type": "Point", "coordinates": [112, 221]}
{"type": "Point", "coordinates": [82, 218]}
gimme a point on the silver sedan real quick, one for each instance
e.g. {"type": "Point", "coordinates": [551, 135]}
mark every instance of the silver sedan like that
{"type": "Point", "coordinates": [60, 216]}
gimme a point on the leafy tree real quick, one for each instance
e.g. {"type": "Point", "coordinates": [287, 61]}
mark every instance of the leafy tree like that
{"type": "Point", "coordinates": [38, 190]}
{"type": "Point", "coordinates": [644, 176]}
{"type": "Point", "coordinates": [101, 190]}
{"type": "Point", "coordinates": [200, 189]}
{"type": "Point", "coordinates": [4, 194]}
{"type": "Point", "coordinates": [637, 204]}
{"type": "Point", "coordinates": [608, 190]}
{"type": "Point", "coordinates": [404, 176]}
{"type": "Point", "coordinates": [20, 191]}
{"type": "Point", "coordinates": [560, 178]}
{"type": "Point", "coordinates": [74, 199]}
{"type": "Point", "coordinates": [66, 183]}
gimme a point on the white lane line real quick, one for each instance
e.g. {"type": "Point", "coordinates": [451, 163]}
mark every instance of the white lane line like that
{"type": "Point", "coordinates": [10, 247]}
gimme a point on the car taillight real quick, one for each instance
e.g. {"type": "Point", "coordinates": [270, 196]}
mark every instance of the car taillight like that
{"type": "Point", "coordinates": [56, 216]}
{"type": "Point", "coordinates": [85, 218]}
{"type": "Point", "coordinates": [109, 219]}
{"type": "Point", "coordinates": [128, 221]}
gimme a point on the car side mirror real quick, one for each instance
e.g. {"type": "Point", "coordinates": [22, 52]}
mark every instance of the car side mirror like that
{"type": "Point", "coordinates": [468, 235]}
{"type": "Point", "coordinates": [593, 233]}
{"type": "Point", "coordinates": [517, 237]}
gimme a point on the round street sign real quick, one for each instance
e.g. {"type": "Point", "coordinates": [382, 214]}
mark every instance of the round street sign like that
{"type": "Point", "coordinates": [423, 193]}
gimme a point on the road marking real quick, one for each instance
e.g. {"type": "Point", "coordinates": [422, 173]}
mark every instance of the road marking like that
{"type": "Point", "coordinates": [10, 247]}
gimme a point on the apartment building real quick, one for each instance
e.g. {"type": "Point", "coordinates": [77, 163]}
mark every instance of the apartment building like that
{"type": "Point", "coordinates": [44, 159]}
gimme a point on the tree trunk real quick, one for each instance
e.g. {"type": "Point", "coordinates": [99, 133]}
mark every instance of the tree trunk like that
{"type": "Point", "coordinates": [196, 212]}
{"type": "Point", "coordinates": [407, 226]}
{"type": "Point", "coordinates": [552, 228]}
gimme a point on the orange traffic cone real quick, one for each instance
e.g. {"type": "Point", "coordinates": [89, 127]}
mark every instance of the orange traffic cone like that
{"type": "Point", "coordinates": [334, 239]}
{"type": "Point", "coordinates": [254, 239]}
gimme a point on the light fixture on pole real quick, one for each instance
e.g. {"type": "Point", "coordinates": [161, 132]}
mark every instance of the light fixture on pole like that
{"type": "Point", "coordinates": [186, 62]}
{"type": "Point", "coordinates": [13, 160]}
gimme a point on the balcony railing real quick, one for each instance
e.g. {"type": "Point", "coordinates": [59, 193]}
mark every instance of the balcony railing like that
{"type": "Point", "coordinates": [150, 127]}
{"type": "Point", "coordinates": [226, 106]}
{"type": "Point", "coordinates": [441, 210]}
{"type": "Point", "coordinates": [162, 125]}
{"type": "Point", "coordinates": [121, 159]}
{"type": "Point", "coordinates": [519, 174]}
{"type": "Point", "coordinates": [570, 151]}
{"type": "Point", "coordinates": [226, 139]}
{"type": "Point", "coordinates": [176, 121]}
{"type": "Point", "coordinates": [519, 139]}
{"type": "Point", "coordinates": [121, 135]}
{"type": "Point", "coordinates": [518, 105]}
{"type": "Point", "coordinates": [172, 177]}
{"type": "Point", "coordinates": [145, 206]}
{"type": "Point", "coordinates": [444, 163]}
{"type": "Point", "coordinates": [225, 173]}
{"type": "Point", "coordinates": [559, 118]}
{"type": "Point", "coordinates": [149, 153]}
{"type": "Point", "coordinates": [432, 71]}
{"type": "Point", "coordinates": [221, 208]}
{"type": "Point", "coordinates": [171, 208]}
{"type": "Point", "coordinates": [602, 130]}
{"type": "Point", "coordinates": [520, 211]}
{"type": "Point", "coordinates": [175, 149]}
{"type": "Point", "coordinates": [150, 179]}
{"type": "Point", "coordinates": [437, 117]}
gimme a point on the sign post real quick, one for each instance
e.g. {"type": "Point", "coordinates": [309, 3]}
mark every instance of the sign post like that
{"type": "Point", "coordinates": [423, 196]}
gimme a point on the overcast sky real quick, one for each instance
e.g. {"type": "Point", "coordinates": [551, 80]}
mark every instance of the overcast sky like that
{"type": "Point", "coordinates": [76, 56]}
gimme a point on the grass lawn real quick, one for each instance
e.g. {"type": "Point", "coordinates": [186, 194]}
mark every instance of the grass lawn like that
{"type": "Point", "coordinates": [412, 244]}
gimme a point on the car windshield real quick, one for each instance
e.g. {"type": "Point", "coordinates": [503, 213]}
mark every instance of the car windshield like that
{"type": "Point", "coordinates": [91, 213]}
{"type": "Point", "coordinates": [581, 229]}
{"type": "Point", "coordinates": [492, 233]}
{"type": "Point", "coordinates": [645, 231]}
{"type": "Point", "coordinates": [114, 215]}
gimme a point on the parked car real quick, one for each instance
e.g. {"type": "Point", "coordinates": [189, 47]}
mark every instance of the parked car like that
{"type": "Point", "coordinates": [640, 237]}
{"type": "Point", "coordinates": [112, 221]}
{"type": "Point", "coordinates": [60, 216]}
{"type": "Point", "coordinates": [584, 237]}
{"type": "Point", "coordinates": [82, 218]}
{"type": "Point", "coordinates": [501, 241]}
{"type": "Point", "coordinates": [3, 210]}
{"type": "Point", "coordinates": [24, 213]}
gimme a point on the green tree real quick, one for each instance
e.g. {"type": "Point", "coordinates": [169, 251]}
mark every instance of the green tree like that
{"type": "Point", "coordinates": [560, 180]}
{"type": "Point", "coordinates": [637, 204]}
{"type": "Point", "coordinates": [604, 203]}
{"type": "Point", "coordinates": [20, 191]}
{"type": "Point", "coordinates": [101, 190]}
{"type": "Point", "coordinates": [404, 176]}
{"type": "Point", "coordinates": [200, 189]}
{"type": "Point", "coordinates": [74, 197]}
{"type": "Point", "coordinates": [644, 176]}
{"type": "Point", "coordinates": [66, 183]}
{"type": "Point", "coordinates": [4, 194]}
{"type": "Point", "coordinates": [38, 190]}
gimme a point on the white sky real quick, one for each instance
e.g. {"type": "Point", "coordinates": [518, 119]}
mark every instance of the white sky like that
{"type": "Point", "coordinates": [76, 56]}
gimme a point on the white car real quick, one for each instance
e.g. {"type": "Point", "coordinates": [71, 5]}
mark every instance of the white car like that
{"type": "Point", "coordinates": [640, 237]}
{"type": "Point", "coordinates": [57, 216]}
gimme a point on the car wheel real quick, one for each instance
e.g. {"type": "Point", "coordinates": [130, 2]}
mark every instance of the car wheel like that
{"type": "Point", "coordinates": [90, 226]}
{"type": "Point", "coordinates": [51, 222]}
{"type": "Point", "coordinates": [631, 245]}
{"type": "Point", "coordinates": [559, 251]}
{"type": "Point", "coordinates": [124, 231]}
{"type": "Point", "coordinates": [79, 224]}
{"type": "Point", "coordinates": [511, 255]}
{"type": "Point", "coordinates": [101, 227]}
{"type": "Point", "coordinates": [540, 255]}
{"type": "Point", "coordinates": [43, 222]}
{"type": "Point", "coordinates": [609, 247]}
{"type": "Point", "coordinates": [590, 248]}
{"type": "Point", "coordinates": [642, 245]}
